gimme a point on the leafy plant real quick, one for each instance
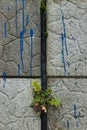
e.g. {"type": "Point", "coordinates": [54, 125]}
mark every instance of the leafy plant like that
{"type": "Point", "coordinates": [42, 99]}
{"type": "Point", "coordinates": [43, 6]}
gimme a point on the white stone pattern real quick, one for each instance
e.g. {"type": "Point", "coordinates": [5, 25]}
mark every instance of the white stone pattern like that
{"type": "Point", "coordinates": [20, 47]}
{"type": "Point", "coordinates": [15, 100]}
{"type": "Point", "coordinates": [67, 37]}
{"type": "Point", "coordinates": [72, 115]}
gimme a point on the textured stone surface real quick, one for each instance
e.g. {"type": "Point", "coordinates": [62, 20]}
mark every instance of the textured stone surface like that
{"type": "Point", "coordinates": [14, 18]}
{"type": "Point", "coordinates": [67, 37]}
{"type": "Point", "coordinates": [73, 111]}
{"type": "Point", "coordinates": [15, 111]}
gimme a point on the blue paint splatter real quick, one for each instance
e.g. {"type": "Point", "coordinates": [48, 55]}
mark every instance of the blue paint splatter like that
{"type": "Point", "coordinates": [5, 33]}
{"type": "Point", "coordinates": [23, 1]}
{"type": "Point", "coordinates": [22, 48]}
{"type": "Point", "coordinates": [16, 10]}
{"type": "Point", "coordinates": [75, 111]}
{"type": "Point", "coordinates": [63, 58]}
{"type": "Point", "coordinates": [77, 124]}
{"type": "Point", "coordinates": [27, 19]}
{"type": "Point", "coordinates": [18, 69]}
{"type": "Point", "coordinates": [68, 64]}
{"type": "Point", "coordinates": [31, 45]}
{"type": "Point", "coordinates": [64, 32]}
{"type": "Point", "coordinates": [68, 124]}
{"type": "Point", "coordinates": [75, 69]}
{"type": "Point", "coordinates": [64, 45]}
{"type": "Point", "coordinates": [4, 78]}
{"type": "Point", "coordinates": [8, 8]}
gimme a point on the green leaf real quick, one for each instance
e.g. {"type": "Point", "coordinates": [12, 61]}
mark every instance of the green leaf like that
{"type": "Point", "coordinates": [36, 86]}
{"type": "Point", "coordinates": [36, 99]}
{"type": "Point", "coordinates": [54, 102]}
{"type": "Point", "coordinates": [47, 92]}
{"type": "Point", "coordinates": [43, 6]}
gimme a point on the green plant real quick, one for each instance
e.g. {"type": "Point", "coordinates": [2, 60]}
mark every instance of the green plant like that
{"type": "Point", "coordinates": [42, 99]}
{"type": "Point", "coordinates": [43, 6]}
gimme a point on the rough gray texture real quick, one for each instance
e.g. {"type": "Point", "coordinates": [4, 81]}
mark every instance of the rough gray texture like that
{"type": "Point", "coordinates": [67, 37]}
{"type": "Point", "coordinates": [73, 112]}
{"type": "Point", "coordinates": [11, 13]}
{"type": "Point", "coordinates": [66, 55]}
{"type": "Point", "coordinates": [15, 111]}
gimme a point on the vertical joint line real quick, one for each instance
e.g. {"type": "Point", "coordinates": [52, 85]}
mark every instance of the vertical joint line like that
{"type": "Point", "coordinates": [43, 62]}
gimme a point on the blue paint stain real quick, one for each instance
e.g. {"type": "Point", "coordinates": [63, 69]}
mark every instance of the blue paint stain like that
{"type": "Point", "coordinates": [63, 58]}
{"type": "Point", "coordinates": [5, 33]}
{"type": "Point", "coordinates": [16, 11]}
{"type": "Point", "coordinates": [22, 48]}
{"type": "Point", "coordinates": [18, 69]}
{"type": "Point", "coordinates": [8, 8]}
{"type": "Point", "coordinates": [22, 64]}
{"type": "Point", "coordinates": [75, 111]}
{"type": "Point", "coordinates": [77, 124]}
{"type": "Point", "coordinates": [75, 69]}
{"type": "Point", "coordinates": [31, 49]}
{"type": "Point", "coordinates": [68, 124]}
{"type": "Point", "coordinates": [64, 32]}
{"type": "Point", "coordinates": [4, 78]}
{"type": "Point", "coordinates": [27, 19]}
{"type": "Point", "coordinates": [68, 63]}
{"type": "Point", "coordinates": [23, 1]}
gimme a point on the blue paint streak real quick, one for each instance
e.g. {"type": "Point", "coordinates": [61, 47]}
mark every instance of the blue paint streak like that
{"type": "Point", "coordinates": [77, 124]}
{"type": "Point", "coordinates": [75, 69]}
{"type": "Point", "coordinates": [31, 49]}
{"type": "Point", "coordinates": [16, 10]}
{"type": "Point", "coordinates": [68, 124]}
{"type": "Point", "coordinates": [22, 64]}
{"type": "Point", "coordinates": [64, 32]}
{"type": "Point", "coordinates": [8, 8]}
{"type": "Point", "coordinates": [23, 1]}
{"type": "Point", "coordinates": [27, 19]}
{"type": "Point", "coordinates": [5, 33]}
{"type": "Point", "coordinates": [4, 78]}
{"type": "Point", "coordinates": [22, 48]}
{"type": "Point", "coordinates": [75, 111]}
{"type": "Point", "coordinates": [63, 59]}
{"type": "Point", "coordinates": [18, 69]}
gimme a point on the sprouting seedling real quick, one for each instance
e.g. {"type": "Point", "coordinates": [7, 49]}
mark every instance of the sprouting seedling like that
{"type": "Point", "coordinates": [42, 99]}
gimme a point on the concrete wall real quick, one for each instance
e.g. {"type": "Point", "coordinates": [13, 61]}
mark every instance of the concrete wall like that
{"type": "Point", "coordinates": [19, 56]}
{"type": "Point", "coordinates": [66, 56]}
{"type": "Point", "coordinates": [15, 111]}
{"type": "Point", "coordinates": [67, 39]}
{"type": "Point", "coordinates": [20, 37]}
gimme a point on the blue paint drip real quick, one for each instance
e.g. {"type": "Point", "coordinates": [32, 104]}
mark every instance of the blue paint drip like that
{"type": "Point", "coordinates": [4, 78]}
{"type": "Point", "coordinates": [75, 69]}
{"type": "Point", "coordinates": [8, 8]}
{"type": "Point", "coordinates": [77, 124]}
{"type": "Point", "coordinates": [63, 59]}
{"type": "Point", "coordinates": [23, 1]}
{"type": "Point", "coordinates": [18, 69]}
{"type": "Point", "coordinates": [5, 33]}
{"type": "Point", "coordinates": [64, 33]}
{"type": "Point", "coordinates": [22, 48]}
{"type": "Point", "coordinates": [68, 124]}
{"type": "Point", "coordinates": [75, 111]}
{"type": "Point", "coordinates": [22, 64]}
{"type": "Point", "coordinates": [31, 45]}
{"type": "Point", "coordinates": [27, 19]}
{"type": "Point", "coordinates": [16, 10]}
